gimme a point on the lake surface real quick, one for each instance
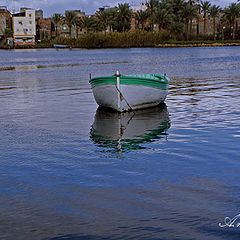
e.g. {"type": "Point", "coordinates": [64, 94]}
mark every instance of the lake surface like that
{"type": "Point", "coordinates": [66, 174]}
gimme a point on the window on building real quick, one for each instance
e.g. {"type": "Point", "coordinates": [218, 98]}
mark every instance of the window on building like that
{"type": "Point", "coordinates": [30, 22]}
{"type": "Point", "coordinates": [30, 15]}
{"type": "Point", "coordinates": [20, 22]}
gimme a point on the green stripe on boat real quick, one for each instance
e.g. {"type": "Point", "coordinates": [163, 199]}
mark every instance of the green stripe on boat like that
{"type": "Point", "coordinates": [147, 80]}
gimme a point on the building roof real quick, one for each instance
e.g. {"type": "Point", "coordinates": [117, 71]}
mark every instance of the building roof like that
{"type": "Point", "coordinates": [21, 14]}
{"type": "Point", "coordinates": [3, 9]}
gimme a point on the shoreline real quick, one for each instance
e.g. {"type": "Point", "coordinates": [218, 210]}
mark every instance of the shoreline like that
{"type": "Point", "coordinates": [203, 44]}
{"type": "Point", "coordinates": [162, 45]}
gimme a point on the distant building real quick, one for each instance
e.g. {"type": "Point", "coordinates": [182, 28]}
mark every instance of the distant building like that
{"type": "Point", "coordinates": [39, 14]}
{"type": "Point", "coordinates": [103, 8]}
{"type": "Point", "coordinates": [77, 11]}
{"type": "Point", "coordinates": [24, 27]}
{"type": "Point", "coordinates": [139, 7]}
{"type": "Point", "coordinates": [44, 28]}
{"type": "Point", "coordinates": [76, 30]}
{"type": "Point", "coordinates": [5, 20]}
{"type": "Point", "coordinates": [135, 24]}
{"type": "Point", "coordinates": [64, 30]}
{"type": "Point", "coordinates": [106, 9]}
{"type": "Point", "coordinates": [23, 9]}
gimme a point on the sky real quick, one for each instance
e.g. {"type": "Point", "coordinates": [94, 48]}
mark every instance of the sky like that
{"type": "Point", "coordinates": [88, 6]}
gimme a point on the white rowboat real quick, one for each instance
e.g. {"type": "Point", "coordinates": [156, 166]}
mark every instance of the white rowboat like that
{"type": "Point", "coordinates": [130, 92]}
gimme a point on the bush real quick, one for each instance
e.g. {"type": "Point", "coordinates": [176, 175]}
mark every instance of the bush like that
{"type": "Point", "coordinates": [137, 38]}
{"type": "Point", "coordinates": [114, 39]}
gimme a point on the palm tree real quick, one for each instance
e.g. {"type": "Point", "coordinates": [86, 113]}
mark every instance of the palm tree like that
{"type": "Point", "coordinates": [1, 27]}
{"type": "Point", "coordinates": [163, 17]}
{"type": "Point", "coordinates": [124, 15]}
{"type": "Point", "coordinates": [151, 9]}
{"type": "Point", "coordinates": [112, 15]}
{"type": "Point", "coordinates": [7, 33]}
{"type": "Point", "coordinates": [79, 23]}
{"type": "Point", "coordinates": [90, 23]}
{"type": "Point", "coordinates": [205, 6]}
{"type": "Point", "coordinates": [56, 18]}
{"type": "Point", "coordinates": [176, 7]}
{"type": "Point", "coordinates": [198, 7]}
{"type": "Point", "coordinates": [102, 18]}
{"type": "Point", "coordinates": [231, 13]}
{"type": "Point", "coordinates": [190, 12]}
{"type": "Point", "coordinates": [214, 13]}
{"type": "Point", "coordinates": [196, 12]}
{"type": "Point", "coordinates": [70, 19]}
{"type": "Point", "coordinates": [141, 17]}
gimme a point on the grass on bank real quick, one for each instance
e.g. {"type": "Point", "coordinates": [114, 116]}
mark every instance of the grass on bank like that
{"type": "Point", "coordinates": [134, 39]}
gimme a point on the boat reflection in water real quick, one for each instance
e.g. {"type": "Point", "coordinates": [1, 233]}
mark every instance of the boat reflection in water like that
{"type": "Point", "coordinates": [127, 131]}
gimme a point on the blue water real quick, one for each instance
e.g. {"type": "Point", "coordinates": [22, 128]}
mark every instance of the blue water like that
{"type": "Point", "coordinates": [64, 173]}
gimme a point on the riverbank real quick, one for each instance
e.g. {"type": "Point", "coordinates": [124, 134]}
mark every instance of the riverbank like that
{"type": "Point", "coordinates": [164, 45]}
{"type": "Point", "coordinates": [199, 44]}
{"type": "Point", "coordinates": [138, 39]}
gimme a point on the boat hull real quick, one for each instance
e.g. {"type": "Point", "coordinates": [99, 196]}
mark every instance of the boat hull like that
{"type": "Point", "coordinates": [128, 97]}
{"type": "Point", "coordinates": [130, 92]}
{"type": "Point", "coordinates": [59, 46]}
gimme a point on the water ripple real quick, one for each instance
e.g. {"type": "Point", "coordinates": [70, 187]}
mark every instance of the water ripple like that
{"type": "Point", "coordinates": [67, 173]}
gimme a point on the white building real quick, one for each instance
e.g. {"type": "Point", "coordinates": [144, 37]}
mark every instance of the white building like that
{"type": "Point", "coordinates": [139, 7]}
{"type": "Point", "coordinates": [24, 27]}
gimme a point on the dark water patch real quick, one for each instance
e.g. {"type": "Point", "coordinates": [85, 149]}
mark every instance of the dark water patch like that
{"type": "Point", "coordinates": [6, 88]}
{"type": "Point", "coordinates": [35, 67]}
{"type": "Point", "coordinates": [7, 68]}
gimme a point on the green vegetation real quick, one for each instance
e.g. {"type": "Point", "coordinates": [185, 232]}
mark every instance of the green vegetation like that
{"type": "Point", "coordinates": [57, 19]}
{"type": "Point", "coordinates": [169, 22]}
{"type": "Point", "coordinates": [70, 19]}
{"type": "Point", "coordinates": [7, 33]}
{"type": "Point", "coordinates": [137, 38]}
{"type": "Point", "coordinates": [214, 12]}
{"type": "Point", "coordinates": [161, 21]}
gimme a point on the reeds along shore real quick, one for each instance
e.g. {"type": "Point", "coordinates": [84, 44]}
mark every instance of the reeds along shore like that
{"type": "Point", "coordinates": [131, 39]}
{"type": "Point", "coordinates": [135, 39]}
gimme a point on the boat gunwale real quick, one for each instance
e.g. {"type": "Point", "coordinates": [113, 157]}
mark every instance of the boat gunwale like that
{"type": "Point", "coordinates": [163, 85]}
{"type": "Point", "coordinates": [163, 79]}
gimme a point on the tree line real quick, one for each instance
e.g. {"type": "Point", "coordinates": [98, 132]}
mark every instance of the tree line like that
{"type": "Point", "coordinates": [173, 16]}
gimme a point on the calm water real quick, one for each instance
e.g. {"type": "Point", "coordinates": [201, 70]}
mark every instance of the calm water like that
{"type": "Point", "coordinates": [70, 171]}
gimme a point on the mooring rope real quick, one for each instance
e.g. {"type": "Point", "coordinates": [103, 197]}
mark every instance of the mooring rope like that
{"type": "Point", "coordinates": [118, 75]}
{"type": "Point", "coordinates": [121, 96]}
